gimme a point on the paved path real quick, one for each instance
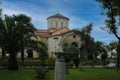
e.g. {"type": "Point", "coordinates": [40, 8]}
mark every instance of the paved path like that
{"type": "Point", "coordinates": [109, 65]}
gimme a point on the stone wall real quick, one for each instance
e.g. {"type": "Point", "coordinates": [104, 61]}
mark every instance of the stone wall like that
{"type": "Point", "coordinates": [57, 23]}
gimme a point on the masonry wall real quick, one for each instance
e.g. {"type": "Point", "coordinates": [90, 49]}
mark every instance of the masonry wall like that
{"type": "Point", "coordinates": [57, 23]}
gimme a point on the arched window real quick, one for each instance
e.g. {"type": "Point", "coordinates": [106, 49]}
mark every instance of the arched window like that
{"type": "Point", "coordinates": [74, 44]}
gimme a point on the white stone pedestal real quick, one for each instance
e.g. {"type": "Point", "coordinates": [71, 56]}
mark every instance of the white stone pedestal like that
{"type": "Point", "coordinates": [60, 70]}
{"type": "Point", "coordinates": [60, 67]}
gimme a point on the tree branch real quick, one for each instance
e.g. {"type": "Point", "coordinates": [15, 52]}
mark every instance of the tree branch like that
{"type": "Point", "coordinates": [112, 17]}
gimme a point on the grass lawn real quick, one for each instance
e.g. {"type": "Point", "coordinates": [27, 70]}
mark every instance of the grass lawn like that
{"type": "Point", "coordinates": [74, 74]}
{"type": "Point", "coordinates": [93, 74]}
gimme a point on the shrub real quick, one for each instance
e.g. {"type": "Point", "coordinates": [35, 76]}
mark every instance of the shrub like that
{"type": "Point", "coordinates": [41, 73]}
{"type": "Point", "coordinates": [76, 61]}
{"type": "Point", "coordinates": [51, 62]}
{"type": "Point", "coordinates": [104, 57]}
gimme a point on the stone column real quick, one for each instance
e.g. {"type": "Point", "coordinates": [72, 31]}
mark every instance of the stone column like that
{"type": "Point", "coordinates": [60, 66]}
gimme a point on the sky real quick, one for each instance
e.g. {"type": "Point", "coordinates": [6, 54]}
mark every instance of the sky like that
{"type": "Point", "coordinates": [80, 13]}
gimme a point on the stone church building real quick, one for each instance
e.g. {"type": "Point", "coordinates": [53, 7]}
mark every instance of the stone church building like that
{"type": "Point", "coordinates": [58, 34]}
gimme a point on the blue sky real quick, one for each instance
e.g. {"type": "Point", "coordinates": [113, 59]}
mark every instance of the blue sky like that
{"type": "Point", "coordinates": [80, 13]}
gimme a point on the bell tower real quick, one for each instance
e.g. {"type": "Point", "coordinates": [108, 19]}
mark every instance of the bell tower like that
{"type": "Point", "coordinates": [57, 21]}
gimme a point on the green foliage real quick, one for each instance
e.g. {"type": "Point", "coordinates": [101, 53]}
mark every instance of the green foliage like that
{"type": "Point", "coordinates": [99, 47]}
{"type": "Point", "coordinates": [51, 62]}
{"type": "Point", "coordinates": [25, 39]}
{"type": "Point", "coordinates": [70, 49]}
{"type": "Point", "coordinates": [73, 54]}
{"type": "Point", "coordinates": [12, 33]}
{"type": "Point", "coordinates": [17, 34]}
{"type": "Point", "coordinates": [87, 46]}
{"type": "Point", "coordinates": [42, 49]}
{"type": "Point", "coordinates": [30, 62]}
{"type": "Point", "coordinates": [41, 73]}
{"type": "Point", "coordinates": [76, 61]}
{"type": "Point", "coordinates": [112, 11]}
{"type": "Point", "coordinates": [111, 47]}
{"type": "Point", "coordinates": [103, 56]}
{"type": "Point", "coordinates": [86, 30]}
{"type": "Point", "coordinates": [90, 56]}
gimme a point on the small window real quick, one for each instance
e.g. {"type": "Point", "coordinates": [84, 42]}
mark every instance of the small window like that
{"type": "Point", "coordinates": [56, 24]}
{"type": "Point", "coordinates": [61, 24]}
{"type": "Point", "coordinates": [74, 36]}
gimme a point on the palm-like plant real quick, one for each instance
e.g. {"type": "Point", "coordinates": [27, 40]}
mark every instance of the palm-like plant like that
{"type": "Point", "coordinates": [11, 33]}
{"type": "Point", "coordinates": [26, 20]}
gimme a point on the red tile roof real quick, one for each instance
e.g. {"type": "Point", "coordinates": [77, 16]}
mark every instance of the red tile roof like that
{"type": "Point", "coordinates": [46, 33]}
{"type": "Point", "coordinates": [43, 33]}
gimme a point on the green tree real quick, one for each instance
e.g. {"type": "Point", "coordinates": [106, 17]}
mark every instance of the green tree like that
{"type": "Point", "coordinates": [74, 53]}
{"type": "Point", "coordinates": [104, 57]}
{"type": "Point", "coordinates": [43, 50]}
{"type": "Point", "coordinates": [112, 11]}
{"type": "Point", "coordinates": [38, 46]}
{"type": "Point", "coordinates": [111, 47]}
{"type": "Point", "coordinates": [86, 47]}
{"type": "Point", "coordinates": [26, 20]}
{"type": "Point", "coordinates": [88, 42]}
{"type": "Point", "coordinates": [98, 48]}
{"type": "Point", "coordinates": [11, 32]}
{"type": "Point", "coordinates": [2, 46]}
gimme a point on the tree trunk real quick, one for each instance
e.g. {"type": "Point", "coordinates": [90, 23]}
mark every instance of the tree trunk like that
{"type": "Point", "coordinates": [22, 55]}
{"type": "Point", "coordinates": [118, 56]}
{"type": "Point", "coordinates": [12, 62]}
{"type": "Point", "coordinates": [3, 56]}
{"type": "Point", "coordinates": [22, 52]}
{"type": "Point", "coordinates": [3, 53]}
{"type": "Point", "coordinates": [118, 61]}
{"type": "Point", "coordinates": [76, 62]}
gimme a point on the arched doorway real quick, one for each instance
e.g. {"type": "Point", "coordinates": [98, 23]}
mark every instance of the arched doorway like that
{"type": "Point", "coordinates": [30, 53]}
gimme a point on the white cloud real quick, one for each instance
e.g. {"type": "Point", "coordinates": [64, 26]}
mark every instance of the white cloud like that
{"type": "Point", "coordinates": [11, 12]}
{"type": "Point", "coordinates": [76, 22]}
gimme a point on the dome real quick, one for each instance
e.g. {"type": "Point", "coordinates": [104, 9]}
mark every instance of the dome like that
{"type": "Point", "coordinates": [58, 16]}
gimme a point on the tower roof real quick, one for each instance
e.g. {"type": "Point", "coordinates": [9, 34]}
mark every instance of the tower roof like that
{"type": "Point", "coordinates": [58, 15]}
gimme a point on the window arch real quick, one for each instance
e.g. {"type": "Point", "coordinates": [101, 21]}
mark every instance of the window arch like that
{"type": "Point", "coordinates": [74, 44]}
